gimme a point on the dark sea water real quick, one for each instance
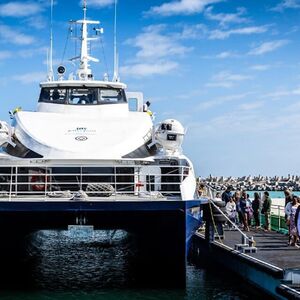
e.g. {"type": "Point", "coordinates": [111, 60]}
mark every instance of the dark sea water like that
{"type": "Point", "coordinates": [85, 264]}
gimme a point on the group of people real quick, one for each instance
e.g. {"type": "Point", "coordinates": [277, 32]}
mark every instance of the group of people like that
{"type": "Point", "coordinates": [241, 210]}
{"type": "Point", "coordinates": [244, 212]}
{"type": "Point", "coordinates": [292, 218]}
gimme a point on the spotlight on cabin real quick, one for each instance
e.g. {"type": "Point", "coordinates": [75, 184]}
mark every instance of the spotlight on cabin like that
{"type": "Point", "coordinates": [61, 70]}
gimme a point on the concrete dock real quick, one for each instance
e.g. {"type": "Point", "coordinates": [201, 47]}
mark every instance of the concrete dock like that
{"type": "Point", "coordinates": [274, 268]}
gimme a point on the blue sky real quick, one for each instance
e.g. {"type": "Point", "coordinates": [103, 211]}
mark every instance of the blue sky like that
{"type": "Point", "coordinates": [228, 70]}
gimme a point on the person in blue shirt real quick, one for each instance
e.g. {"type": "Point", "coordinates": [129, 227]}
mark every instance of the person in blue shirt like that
{"type": "Point", "coordinates": [243, 207]}
{"type": "Point", "coordinates": [227, 194]}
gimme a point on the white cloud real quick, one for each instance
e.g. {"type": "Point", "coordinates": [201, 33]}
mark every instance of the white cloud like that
{"type": "Point", "coordinates": [280, 7]}
{"type": "Point", "coordinates": [30, 52]}
{"type": "Point", "coordinates": [226, 79]}
{"type": "Point", "coordinates": [19, 9]}
{"type": "Point", "coordinates": [268, 47]}
{"type": "Point", "coordinates": [222, 55]}
{"type": "Point", "coordinates": [30, 77]}
{"type": "Point", "coordinates": [242, 121]}
{"type": "Point", "coordinates": [251, 105]}
{"type": "Point", "coordinates": [196, 31]}
{"type": "Point", "coordinates": [225, 54]}
{"type": "Point", "coordinates": [153, 43]}
{"type": "Point", "coordinates": [224, 18]}
{"type": "Point", "coordinates": [260, 67]}
{"type": "Point", "coordinates": [280, 93]}
{"type": "Point", "coordinates": [148, 69]}
{"type": "Point", "coordinates": [5, 55]}
{"type": "Point", "coordinates": [37, 22]}
{"type": "Point", "coordinates": [156, 52]}
{"type": "Point", "coordinates": [224, 34]}
{"type": "Point", "coordinates": [295, 107]}
{"type": "Point", "coordinates": [181, 7]}
{"type": "Point", "coordinates": [99, 3]}
{"type": "Point", "coordinates": [10, 35]}
{"type": "Point", "coordinates": [220, 101]}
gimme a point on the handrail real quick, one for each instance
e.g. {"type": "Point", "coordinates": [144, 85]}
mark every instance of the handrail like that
{"type": "Point", "coordinates": [33, 180]}
{"type": "Point", "coordinates": [234, 225]}
{"type": "Point", "coordinates": [211, 201]}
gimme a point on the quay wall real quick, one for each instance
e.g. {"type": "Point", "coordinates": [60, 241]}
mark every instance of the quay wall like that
{"type": "Point", "coordinates": [265, 276]}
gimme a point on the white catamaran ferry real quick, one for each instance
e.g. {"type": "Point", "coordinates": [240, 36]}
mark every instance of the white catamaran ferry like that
{"type": "Point", "coordinates": [92, 139]}
{"type": "Point", "coordinates": [91, 155]}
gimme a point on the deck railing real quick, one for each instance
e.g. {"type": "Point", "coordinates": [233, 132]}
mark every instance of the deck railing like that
{"type": "Point", "coordinates": [65, 181]}
{"type": "Point", "coordinates": [277, 219]}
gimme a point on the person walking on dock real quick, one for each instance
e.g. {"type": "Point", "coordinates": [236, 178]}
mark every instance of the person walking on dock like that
{"type": "Point", "coordinates": [227, 194]}
{"type": "Point", "coordinates": [255, 207]}
{"type": "Point", "coordinates": [288, 196]}
{"type": "Point", "coordinates": [287, 216]}
{"type": "Point", "coordinates": [202, 190]}
{"type": "Point", "coordinates": [231, 212]}
{"type": "Point", "coordinates": [236, 199]}
{"type": "Point", "coordinates": [297, 221]}
{"type": "Point", "coordinates": [243, 208]}
{"type": "Point", "coordinates": [288, 200]}
{"type": "Point", "coordinates": [249, 210]}
{"type": "Point", "coordinates": [292, 222]}
{"type": "Point", "coordinates": [266, 210]}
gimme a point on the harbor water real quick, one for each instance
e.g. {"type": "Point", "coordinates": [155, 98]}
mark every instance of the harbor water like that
{"type": "Point", "coordinates": [85, 264]}
{"type": "Point", "coordinates": [274, 194]}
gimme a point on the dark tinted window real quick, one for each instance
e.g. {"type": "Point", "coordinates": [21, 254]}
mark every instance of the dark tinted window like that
{"type": "Point", "coordinates": [82, 96]}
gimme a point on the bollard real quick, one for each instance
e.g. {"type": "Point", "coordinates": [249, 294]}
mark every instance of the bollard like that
{"type": "Point", "coordinates": [243, 239]}
{"type": "Point", "coordinates": [251, 241]}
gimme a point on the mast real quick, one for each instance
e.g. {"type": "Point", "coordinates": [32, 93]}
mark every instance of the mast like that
{"type": "Point", "coordinates": [116, 62]}
{"type": "Point", "coordinates": [84, 72]}
{"type": "Point", "coordinates": [50, 70]}
{"type": "Point", "coordinates": [84, 44]}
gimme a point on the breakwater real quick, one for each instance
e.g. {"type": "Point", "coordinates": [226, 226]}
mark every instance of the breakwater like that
{"type": "Point", "coordinates": [253, 183]}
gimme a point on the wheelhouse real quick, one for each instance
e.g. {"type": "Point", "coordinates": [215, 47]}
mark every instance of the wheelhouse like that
{"type": "Point", "coordinates": [82, 95]}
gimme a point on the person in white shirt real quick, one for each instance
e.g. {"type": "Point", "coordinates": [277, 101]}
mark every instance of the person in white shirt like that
{"type": "Point", "coordinates": [231, 211]}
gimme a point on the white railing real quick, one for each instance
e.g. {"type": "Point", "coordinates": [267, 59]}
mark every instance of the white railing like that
{"type": "Point", "coordinates": [103, 181]}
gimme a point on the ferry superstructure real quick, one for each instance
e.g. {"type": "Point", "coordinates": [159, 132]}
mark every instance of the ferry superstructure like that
{"type": "Point", "coordinates": [81, 120]}
{"type": "Point", "coordinates": [88, 153]}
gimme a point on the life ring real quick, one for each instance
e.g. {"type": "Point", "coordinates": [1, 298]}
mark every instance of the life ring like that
{"type": "Point", "coordinates": [40, 186]}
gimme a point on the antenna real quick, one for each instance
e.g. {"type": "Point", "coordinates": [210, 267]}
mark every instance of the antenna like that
{"type": "Point", "coordinates": [84, 9]}
{"type": "Point", "coordinates": [84, 72]}
{"type": "Point", "coordinates": [116, 60]}
{"type": "Point", "coordinates": [50, 72]}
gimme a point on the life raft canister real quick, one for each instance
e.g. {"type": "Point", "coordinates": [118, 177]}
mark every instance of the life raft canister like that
{"type": "Point", "coordinates": [40, 186]}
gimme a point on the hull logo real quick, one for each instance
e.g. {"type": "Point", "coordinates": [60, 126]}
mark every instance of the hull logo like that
{"type": "Point", "coordinates": [81, 138]}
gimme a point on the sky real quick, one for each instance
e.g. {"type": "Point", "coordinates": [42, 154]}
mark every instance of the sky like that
{"type": "Point", "coordinates": [228, 70]}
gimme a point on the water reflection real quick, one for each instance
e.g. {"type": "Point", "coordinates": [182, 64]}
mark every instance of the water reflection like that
{"type": "Point", "coordinates": [80, 259]}
{"type": "Point", "coordinates": [84, 264]}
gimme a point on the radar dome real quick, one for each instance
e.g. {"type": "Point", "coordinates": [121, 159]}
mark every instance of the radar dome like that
{"type": "Point", "coordinates": [169, 135]}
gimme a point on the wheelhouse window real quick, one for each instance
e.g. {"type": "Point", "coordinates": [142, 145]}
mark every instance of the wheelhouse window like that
{"type": "Point", "coordinates": [82, 96]}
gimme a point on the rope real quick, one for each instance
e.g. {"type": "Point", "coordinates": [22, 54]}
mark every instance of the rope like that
{"type": "Point", "coordinates": [104, 56]}
{"type": "Point", "coordinates": [66, 44]}
{"type": "Point", "coordinates": [210, 190]}
{"type": "Point", "coordinates": [234, 225]}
